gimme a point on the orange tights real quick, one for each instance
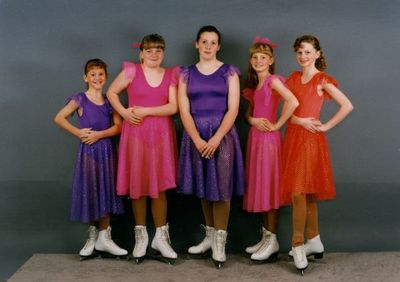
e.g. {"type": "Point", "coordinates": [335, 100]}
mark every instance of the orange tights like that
{"type": "Point", "coordinates": [304, 216]}
{"type": "Point", "coordinates": [216, 214]}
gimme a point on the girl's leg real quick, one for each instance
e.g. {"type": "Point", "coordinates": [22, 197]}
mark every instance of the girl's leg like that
{"type": "Point", "coordinates": [104, 241]}
{"type": "Point", "coordinates": [221, 212]}
{"type": "Point", "coordinates": [159, 209]}
{"type": "Point", "coordinates": [139, 207]}
{"type": "Point", "coordinates": [312, 217]}
{"type": "Point", "coordinates": [299, 214]}
{"type": "Point", "coordinates": [104, 222]}
{"type": "Point", "coordinates": [270, 220]}
{"type": "Point", "coordinates": [207, 208]}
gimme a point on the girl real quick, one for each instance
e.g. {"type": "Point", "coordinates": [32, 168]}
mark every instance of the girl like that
{"type": "Point", "coordinates": [307, 173]}
{"type": "Point", "coordinates": [93, 191]}
{"type": "Point", "coordinates": [263, 162]}
{"type": "Point", "coordinates": [147, 150]}
{"type": "Point", "coordinates": [210, 164]}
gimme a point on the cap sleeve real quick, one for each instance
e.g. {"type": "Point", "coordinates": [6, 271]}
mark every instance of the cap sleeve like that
{"type": "Point", "coordinates": [77, 98]}
{"type": "Point", "coordinates": [324, 78]}
{"type": "Point", "coordinates": [184, 74]}
{"type": "Point", "coordinates": [129, 69]}
{"type": "Point", "coordinates": [108, 105]}
{"type": "Point", "coordinates": [175, 71]}
{"type": "Point", "coordinates": [231, 70]}
{"type": "Point", "coordinates": [248, 94]}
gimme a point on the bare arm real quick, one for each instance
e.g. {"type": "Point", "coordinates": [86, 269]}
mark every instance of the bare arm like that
{"type": "Point", "coordinates": [93, 136]}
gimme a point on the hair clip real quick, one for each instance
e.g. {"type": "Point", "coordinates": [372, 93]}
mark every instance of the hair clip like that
{"type": "Point", "coordinates": [136, 44]}
{"type": "Point", "coordinates": [265, 40]}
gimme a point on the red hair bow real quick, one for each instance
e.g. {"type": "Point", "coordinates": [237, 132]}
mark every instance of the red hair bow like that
{"type": "Point", "coordinates": [265, 40]}
{"type": "Point", "coordinates": [136, 44]}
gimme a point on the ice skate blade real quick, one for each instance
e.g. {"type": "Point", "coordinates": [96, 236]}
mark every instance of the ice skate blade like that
{"type": "Point", "coordinates": [92, 256]}
{"type": "Point", "coordinates": [301, 270]}
{"type": "Point", "coordinates": [272, 258]}
{"type": "Point", "coordinates": [316, 255]}
{"type": "Point", "coordinates": [138, 260]}
{"type": "Point", "coordinates": [156, 255]}
{"type": "Point", "coordinates": [205, 255]}
{"type": "Point", "coordinates": [111, 256]}
{"type": "Point", "coordinates": [218, 264]}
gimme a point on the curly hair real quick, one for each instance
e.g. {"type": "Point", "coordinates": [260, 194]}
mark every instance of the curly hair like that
{"type": "Point", "coordinates": [320, 63]}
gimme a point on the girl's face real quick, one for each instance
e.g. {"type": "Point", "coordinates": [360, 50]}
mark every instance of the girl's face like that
{"type": "Point", "coordinates": [208, 45]}
{"type": "Point", "coordinates": [261, 62]}
{"type": "Point", "coordinates": [306, 55]}
{"type": "Point", "coordinates": [152, 57]}
{"type": "Point", "coordinates": [95, 78]}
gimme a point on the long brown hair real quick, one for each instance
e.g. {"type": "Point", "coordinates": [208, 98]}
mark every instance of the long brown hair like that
{"type": "Point", "coordinates": [320, 63]}
{"type": "Point", "coordinates": [258, 47]}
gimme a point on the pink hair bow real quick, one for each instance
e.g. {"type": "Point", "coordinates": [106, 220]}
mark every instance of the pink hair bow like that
{"type": "Point", "coordinates": [265, 40]}
{"type": "Point", "coordinates": [136, 44]}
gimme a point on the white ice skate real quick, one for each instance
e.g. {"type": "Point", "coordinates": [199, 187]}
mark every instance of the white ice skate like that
{"type": "Point", "coordinates": [218, 248]}
{"type": "Point", "coordinates": [254, 248]}
{"type": "Point", "coordinates": [161, 246]}
{"type": "Point", "coordinates": [204, 245]}
{"type": "Point", "coordinates": [106, 246]}
{"type": "Point", "coordinates": [269, 249]}
{"type": "Point", "coordinates": [300, 259]}
{"type": "Point", "coordinates": [88, 250]}
{"type": "Point", "coordinates": [141, 242]}
{"type": "Point", "coordinates": [313, 247]}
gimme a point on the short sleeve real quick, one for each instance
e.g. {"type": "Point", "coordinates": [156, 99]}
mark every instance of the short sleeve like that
{"type": "Point", "coordinates": [231, 70]}
{"type": "Point", "coordinates": [77, 98]}
{"type": "Point", "coordinates": [276, 76]}
{"type": "Point", "coordinates": [248, 94]}
{"type": "Point", "coordinates": [108, 105]}
{"type": "Point", "coordinates": [175, 71]}
{"type": "Point", "coordinates": [325, 78]}
{"type": "Point", "coordinates": [129, 69]}
{"type": "Point", "coordinates": [184, 74]}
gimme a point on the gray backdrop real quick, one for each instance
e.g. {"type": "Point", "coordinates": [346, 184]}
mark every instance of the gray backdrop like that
{"type": "Point", "coordinates": [44, 44]}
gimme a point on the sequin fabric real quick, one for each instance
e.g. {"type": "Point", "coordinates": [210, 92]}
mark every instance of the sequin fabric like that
{"type": "Point", "coordinates": [148, 152]}
{"type": "Point", "coordinates": [306, 160]}
{"type": "Point", "coordinates": [222, 176]}
{"type": "Point", "coordinates": [93, 190]}
{"type": "Point", "coordinates": [263, 157]}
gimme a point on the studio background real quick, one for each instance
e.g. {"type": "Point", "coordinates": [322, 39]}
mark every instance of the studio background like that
{"type": "Point", "coordinates": [43, 48]}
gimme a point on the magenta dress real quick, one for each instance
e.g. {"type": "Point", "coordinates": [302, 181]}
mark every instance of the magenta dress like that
{"type": "Point", "coordinates": [263, 161]}
{"type": "Point", "coordinates": [93, 190]}
{"type": "Point", "coordinates": [218, 178]}
{"type": "Point", "coordinates": [147, 153]}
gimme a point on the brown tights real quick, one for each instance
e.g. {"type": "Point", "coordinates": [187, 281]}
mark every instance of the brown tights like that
{"type": "Point", "coordinates": [270, 220]}
{"type": "Point", "coordinates": [216, 214]}
{"type": "Point", "coordinates": [304, 216]}
{"type": "Point", "coordinates": [158, 210]}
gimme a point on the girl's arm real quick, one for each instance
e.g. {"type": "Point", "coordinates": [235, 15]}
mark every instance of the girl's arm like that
{"type": "Point", "coordinates": [345, 107]}
{"type": "Point", "coordinates": [289, 106]}
{"type": "Point", "coordinates": [165, 110]}
{"type": "Point", "coordinates": [61, 119]}
{"type": "Point", "coordinates": [119, 84]}
{"type": "Point", "coordinates": [261, 124]}
{"type": "Point", "coordinates": [187, 119]}
{"type": "Point", "coordinates": [94, 136]}
{"type": "Point", "coordinates": [229, 118]}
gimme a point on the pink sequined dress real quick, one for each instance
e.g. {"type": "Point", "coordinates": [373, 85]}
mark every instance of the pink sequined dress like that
{"type": "Point", "coordinates": [263, 159]}
{"type": "Point", "coordinates": [147, 153]}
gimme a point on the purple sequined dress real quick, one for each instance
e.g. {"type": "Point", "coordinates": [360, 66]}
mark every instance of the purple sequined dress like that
{"type": "Point", "coordinates": [93, 190]}
{"type": "Point", "coordinates": [218, 178]}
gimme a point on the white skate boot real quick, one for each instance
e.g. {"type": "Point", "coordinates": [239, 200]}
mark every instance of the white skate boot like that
{"type": "Point", "coordinates": [313, 247]}
{"type": "Point", "coordinates": [300, 259]}
{"type": "Point", "coordinates": [141, 242]}
{"type": "Point", "coordinates": [161, 244]}
{"type": "Point", "coordinates": [88, 250]}
{"type": "Point", "coordinates": [218, 248]}
{"type": "Point", "coordinates": [269, 249]}
{"type": "Point", "coordinates": [204, 245]}
{"type": "Point", "coordinates": [106, 246]}
{"type": "Point", "coordinates": [254, 248]}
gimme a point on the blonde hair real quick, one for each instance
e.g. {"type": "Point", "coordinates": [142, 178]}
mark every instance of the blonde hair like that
{"type": "Point", "coordinates": [152, 41]}
{"type": "Point", "coordinates": [258, 47]}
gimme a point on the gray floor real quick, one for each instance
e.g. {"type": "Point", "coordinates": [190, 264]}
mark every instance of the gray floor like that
{"type": "Point", "coordinates": [382, 266]}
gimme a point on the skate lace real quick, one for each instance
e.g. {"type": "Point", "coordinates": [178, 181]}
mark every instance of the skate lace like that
{"type": "Point", "coordinates": [139, 234]}
{"type": "Point", "coordinates": [87, 243]}
{"type": "Point", "coordinates": [266, 243]}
